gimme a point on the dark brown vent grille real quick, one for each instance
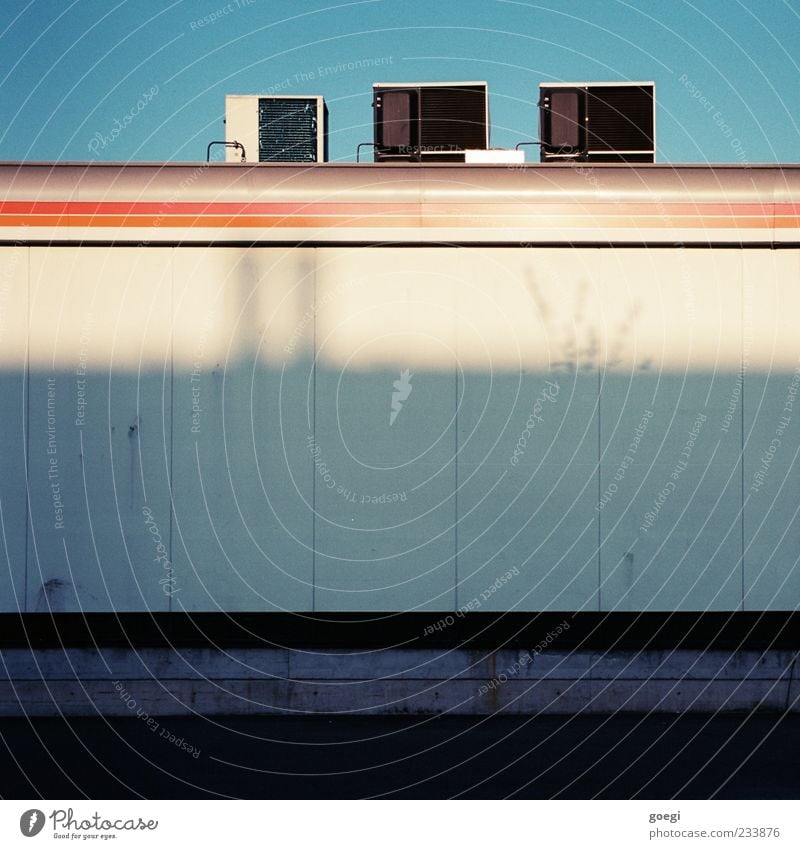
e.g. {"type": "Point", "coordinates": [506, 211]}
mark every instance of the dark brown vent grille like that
{"type": "Point", "coordinates": [620, 118]}
{"type": "Point", "coordinates": [453, 119]}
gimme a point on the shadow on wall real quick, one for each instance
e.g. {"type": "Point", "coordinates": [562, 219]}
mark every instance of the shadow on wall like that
{"type": "Point", "coordinates": [398, 429]}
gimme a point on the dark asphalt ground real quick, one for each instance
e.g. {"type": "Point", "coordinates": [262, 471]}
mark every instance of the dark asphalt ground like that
{"type": "Point", "coordinates": [755, 756]}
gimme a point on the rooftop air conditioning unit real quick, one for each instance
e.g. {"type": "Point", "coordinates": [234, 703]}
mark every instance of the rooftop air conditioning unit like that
{"type": "Point", "coordinates": [597, 122]}
{"type": "Point", "coordinates": [430, 122]}
{"type": "Point", "coordinates": [278, 128]}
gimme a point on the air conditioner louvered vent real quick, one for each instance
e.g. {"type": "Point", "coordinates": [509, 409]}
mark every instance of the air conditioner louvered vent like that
{"type": "Point", "coordinates": [620, 118]}
{"type": "Point", "coordinates": [453, 119]}
{"type": "Point", "coordinates": [287, 130]}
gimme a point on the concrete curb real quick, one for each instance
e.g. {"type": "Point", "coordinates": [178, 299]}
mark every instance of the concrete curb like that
{"type": "Point", "coordinates": [160, 682]}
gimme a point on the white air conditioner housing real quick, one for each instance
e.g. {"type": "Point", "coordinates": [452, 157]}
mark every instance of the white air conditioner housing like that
{"type": "Point", "coordinates": [277, 127]}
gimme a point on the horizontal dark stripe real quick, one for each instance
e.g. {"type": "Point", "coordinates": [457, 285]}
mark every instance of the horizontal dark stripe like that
{"type": "Point", "coordinates": [587, 631]}
{"type": "Point", "coordinates": [238, 243]}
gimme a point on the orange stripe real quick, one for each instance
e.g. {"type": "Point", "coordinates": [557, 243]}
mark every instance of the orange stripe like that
{"type": "Point", "coordinates": [471, 221]}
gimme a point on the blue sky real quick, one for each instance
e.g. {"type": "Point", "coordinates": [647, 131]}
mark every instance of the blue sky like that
{"type": "Point", "coordinates": [726, 72]}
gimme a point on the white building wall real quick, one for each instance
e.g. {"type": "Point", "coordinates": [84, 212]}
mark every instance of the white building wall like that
{"type": "Point", "coordinates": [261, 383]}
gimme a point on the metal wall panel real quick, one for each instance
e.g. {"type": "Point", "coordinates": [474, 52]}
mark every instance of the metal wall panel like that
{"type": "Point", "coordinates": [527, 430]}
{"type": "Point", "coordinates": [242, 496]}
{"type": "Point", "coordinates": [384, 485]}
{"type": "Point", "coordinates": [670, 485]}
{"type": "Point", "coordinates": [13, 424]}
{"type": "Point", "coordinates": [100, 411]}
{"type": "Point", "coordinates": [768, 397]}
